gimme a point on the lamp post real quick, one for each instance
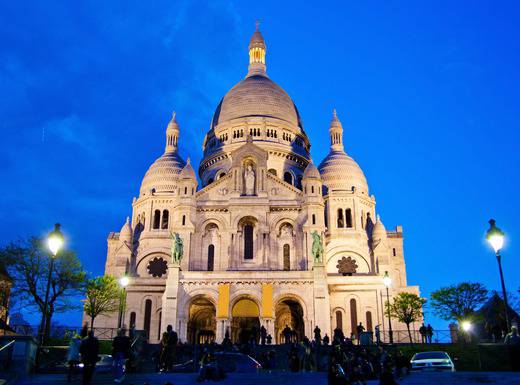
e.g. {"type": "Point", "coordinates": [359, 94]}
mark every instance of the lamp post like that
{"type": "Point", "coordinates": [495, 238]}
{"type": "Point", "coordinates": [55, 243]}
{"type": "Point", "coordinates": [123, 281]}
{"type": "Point", "coordinates": [388, 281]}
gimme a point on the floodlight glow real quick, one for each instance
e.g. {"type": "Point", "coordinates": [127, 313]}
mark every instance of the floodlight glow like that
{"type": "Point", "coordinates": [466, 326]}
{"type": "Point", "coordinates": [55, 240]}
{"type": "Point", "coordinates": [387, 280]}
{"type": "Point", "coordinates": [124, 281]}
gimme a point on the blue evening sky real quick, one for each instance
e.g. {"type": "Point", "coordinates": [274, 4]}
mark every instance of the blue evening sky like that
{"type": "Point", "coordinates": [427, 92]}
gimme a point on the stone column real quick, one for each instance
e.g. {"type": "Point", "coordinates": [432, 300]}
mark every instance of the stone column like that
{"type": "Point", "coordinates": [223, 324]}
{"type": "Point", "coordinates": [321, 298]}
{"type": "Point", "coordinates": [170, 298]}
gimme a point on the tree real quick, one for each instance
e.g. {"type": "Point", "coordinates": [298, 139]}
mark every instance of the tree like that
{"type": "Point", "coordinates": [103, 297]}
{"type": "Point", "coordinates": [27, 263]}
{"type": "Point", "coordinates": [458, 302]}
{"type": "Point", "coordinates": [407, 308]}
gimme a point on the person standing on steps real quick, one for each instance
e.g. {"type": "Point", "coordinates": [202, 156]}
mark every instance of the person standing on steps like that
{"type": "Point", "coordinates": [120, 353]}
{"type": "Point", "coordinates": [89, 350]}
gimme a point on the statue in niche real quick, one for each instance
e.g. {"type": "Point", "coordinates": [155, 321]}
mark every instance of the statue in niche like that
{"type": "Point", "coordinates": [317, 247]}
{"type": "Point", "coordinates": [286, 231]}
{"type": "Point", "coordinates": [177, 248]}
{"type": "Point", "coordinates": [249, 177]}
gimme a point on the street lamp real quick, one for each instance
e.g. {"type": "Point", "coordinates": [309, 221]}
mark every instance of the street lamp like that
{"type": "Point", "coordinates": [55, 243]}
{"type": "Point", "coordinates": [388, 281]}
{"type": "Point", "coordinates": [124, 281]}
{"type": "Point", "coordinates": [495, 238]}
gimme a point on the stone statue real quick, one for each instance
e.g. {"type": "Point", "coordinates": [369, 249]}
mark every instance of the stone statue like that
{"type": "Point", "coordinates": [177, 248]}
{"type": "Point", "coordinates": [317, 247]}
{"type": "Point", "coordinates": [249, 177]}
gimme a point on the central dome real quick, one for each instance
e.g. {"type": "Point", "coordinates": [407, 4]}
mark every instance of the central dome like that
{"type": "Point", "coordinates": [256, 96]}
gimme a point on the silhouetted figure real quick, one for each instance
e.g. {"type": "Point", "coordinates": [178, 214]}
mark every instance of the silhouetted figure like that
{"type": "Point", "coordinates": [317, 335]}
{"type": "Point", "coordinates": [73, 357]}
{"type": "Point", "coordinates": [120, 353]}
{"type": "Point", "coordinates": [294, 361]}
{"type": "Point", "coordinates": [326, 339]}
{"type": "Point", "coordinates": [377, 330]}
{"type": "Point", "coordinates": [287, 334]}
{"type": "Point", "coordinates": [422, 332]}
{"type": "Point", "coordinates": [254, 335]}
{"type": "Point", "coordinates": [269, 339]}
{"type": "Point", "coordinates": [89, 350]}
{"type": "Point", "coordinates": [263, 334]}
{"type": "Point", "coordinates": [84, 331]}
{"type": "Point", "coordinates": [429, 333]}
{"type": "Point", "coordinates": [338, 336]}
{"type": "Point", "coordinates": [359, 329]}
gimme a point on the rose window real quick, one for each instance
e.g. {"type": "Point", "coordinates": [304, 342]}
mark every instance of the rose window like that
{"type": "Point", "coordinates": [157, 267]}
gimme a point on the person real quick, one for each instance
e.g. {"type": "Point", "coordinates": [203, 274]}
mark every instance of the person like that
{"type": "Point", "coordinates": [387, 376]}
{"type": "Point", "coordinates": [401, 365]}
{"type": "Point", "coordinates": [338, 336]}
{"type": "Point", "coordinates": [294, 361]}
{"type": "Point", "coordinates": [359, 329]}
{"type": "Point", "coordinates": [317, 335]}
{"type": "Point", "coordinates": [512, 338]}
{"type": "Point", "coordinates": [422, 332]}
{"type": "Point", "coordinates": [287, 334]}
{"type": "Point", "coordinates": [269, 339]}
{"type": "Point", "coordinates": [377, 330]}
{"type": "Point", "coordinates": [326, 339]}
{"type": "Point", "coordinates": [429, 333]}
{"type": "Point", "coordinates": [120, 353]}
{"type": "Point", "coordinates": [512, 341]}
{"type": "Point", "coordinates": [263, 334]}
{"type": "Point", "coordinates": [89, 350]}
{"type": "Point", "coordinates": [73, 355]}
{"type": "Point", "coordinates": [171, 346]}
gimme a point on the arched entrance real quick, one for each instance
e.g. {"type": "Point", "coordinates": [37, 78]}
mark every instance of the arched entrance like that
{"type": "Point", "coordinates": [202, 323]}
{"type": "Point", "coordinates": [245, 322]}
{"type": "Point", "coordinates": [289, 313]}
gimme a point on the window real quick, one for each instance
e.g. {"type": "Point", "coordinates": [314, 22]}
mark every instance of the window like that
{"type": "Point", "coordinates": [185, 190]}
{"type": "Point", "coordinates": [353, 315]}
{"type": "Point", "coordinates": [313, 219]}
{"type": "Point", "coordinates": [393, 252]}
{"type": "Point", "coordinates": [339, 320]}
{"type": "Point", "coordinates": [341, 222]}
{"type": "Point", "coordinates": [156, 219]}
{"type": "Point", "coordinates": [287, 177]}
{"type": "Point", "coordinates": [147, 315]}
{"type": "Point", "coordinates": [369, 321]}
{"type": "Point", "coordinates": [248, 242]}
{"type": "Point", "coordinates": [312, 189]}
{"type": "Point", "coordinates": [211, 257]}
{"type": "Point", "coordinates": [184, 220]}
{"type": "Point", "coordinates": [132, 320]}
{"type": "Point", "coordinates": [286, 257]}
{"type": "Point", "coordinates": [348, 217]}
{"type": "Point", "coordinates": [362, 219]}
{"type": "Point", "coordinates": [165, 218]}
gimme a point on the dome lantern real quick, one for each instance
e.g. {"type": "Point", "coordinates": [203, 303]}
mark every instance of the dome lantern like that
{"type": "Point", "coordinates": [336, 133]}
{"type": "Point", "coordinates": [172, 135]}
{"type": "Point", "coordinates": [257, 50]}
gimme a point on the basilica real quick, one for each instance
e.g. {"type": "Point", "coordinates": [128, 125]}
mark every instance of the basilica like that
{"type": "Point", "coordinates": [236, 250]}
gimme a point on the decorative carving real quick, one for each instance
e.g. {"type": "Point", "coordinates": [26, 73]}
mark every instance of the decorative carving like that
{"type": "Point", "coordinates": [317, 247]}
{"type": "Point", "coordinates": [249, 177]}
{"type": "Point", "coordinates": [177, 248]}
{"type": "Point", "coordinates": [157, 267]}
{"type": "Point", "coordinates": [347, 266]}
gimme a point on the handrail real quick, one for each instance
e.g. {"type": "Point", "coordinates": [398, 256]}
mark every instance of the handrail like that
{"type": "Point", "coordinates": [7, 345]}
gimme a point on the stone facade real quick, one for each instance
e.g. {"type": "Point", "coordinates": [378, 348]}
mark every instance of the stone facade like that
{"type": "Point", "coordinates": [247, 231]}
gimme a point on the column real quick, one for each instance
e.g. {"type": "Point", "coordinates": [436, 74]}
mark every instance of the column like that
{"type": "Point", "coordinates": [321, 298]}
{"type": "Point", "coordinates": [222, 312]}
{"type": "Point", "coordinates": [170, 298]}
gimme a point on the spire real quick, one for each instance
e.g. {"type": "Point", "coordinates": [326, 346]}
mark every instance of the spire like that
{"type": "Point", "coordinates": [336, 133]}
{"type": "Point", "coordinates": [257, 53]}
{"type": "Point", "coordinates": [172, 134]}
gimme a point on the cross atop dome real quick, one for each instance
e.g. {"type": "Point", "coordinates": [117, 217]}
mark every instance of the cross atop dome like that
{"type": "Point", "coordinates": [257, 50]}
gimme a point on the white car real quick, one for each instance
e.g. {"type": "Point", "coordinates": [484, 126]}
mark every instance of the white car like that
{"type": "Point", "coordinates": [432, 361]}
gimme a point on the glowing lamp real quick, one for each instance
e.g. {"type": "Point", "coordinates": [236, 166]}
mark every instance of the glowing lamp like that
{"type": "Point", "coordinates": [387, 280]}
{"type": "Point", "coordinates": [124, 281]}
{"type": "Point", "coordinates": [55, 240]}
{"type": "Point", "coordinates": [466, 326]}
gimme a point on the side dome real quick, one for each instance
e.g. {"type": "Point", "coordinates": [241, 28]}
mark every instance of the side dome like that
{"type": "Point", "coordinates": [256, 96]}
{"type": "Point", "coordinates": [163, 174]}
{"type": "Point", "coordinates": [311, 171]}
{"type": "Point", "coordinates": [187, 172]}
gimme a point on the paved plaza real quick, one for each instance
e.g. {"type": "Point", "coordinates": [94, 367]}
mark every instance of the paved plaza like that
{"type": "Point", "coordinates": [285, 378]}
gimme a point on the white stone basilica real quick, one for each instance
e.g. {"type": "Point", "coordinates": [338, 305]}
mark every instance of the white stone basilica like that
{"type": "Point", "coordinates": [247, 231]}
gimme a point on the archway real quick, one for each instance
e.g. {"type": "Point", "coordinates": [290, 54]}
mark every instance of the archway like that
{"type": "Point", "coordinates": [289, 313]}
{"type": "Point", "coordinates": [245, 323]}
{"type": "Point", "coordinates": [202, 323]}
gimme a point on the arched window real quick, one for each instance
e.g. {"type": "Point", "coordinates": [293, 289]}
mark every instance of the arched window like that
{"type": "Point", "coordinates": [348, 217]}
{"type": "Point", "coordinates": [369, 321]}
{"type": "Point", "coordinates": [393, 252]}
{"type": "Point", "coordinates": [287, 177]}
{"type": "Point", "coordinates": [211, 257]}
{"type": "Point", "coordinates": [184, 220]}
{"type": "Point", "coordinates": [248, 242]}
{"type": "Point", "coordinates": [159, 328]}
{"type": "Point", "coordinates": [165, 218]}
{"type": "Point", "coordinates": [339, 320]}
{"type": "Point", "coordinates": [156, 219]}
{"type": "Point", "coordinates": [185, 190]}
{"type": "Point", "coordinates": [312, 189]}
{"type": "Point", "coordinates": [313, 219]}
{"type": "Point", "coordinates": [272, 171]}
{"type": "Point", "coordinates": [132, 320]}
{"type": "Point", "coordinates": [286, 257]}
{"type": "Point", "coordinates": [353, 315]}
{"type": "Point", "coordinates": [362, 219]}
{"type": "Point", "coordinates": [341, 222]}
{"type": "Point", "coordinates": [221, 174]}
{"type": "Point", "coordinates": [147, 315]}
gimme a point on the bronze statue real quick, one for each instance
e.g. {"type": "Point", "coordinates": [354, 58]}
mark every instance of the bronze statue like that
{"type": "Point", "coordinates": [177, 248]}
{"type": "Point", "coordinates": [317, 247]}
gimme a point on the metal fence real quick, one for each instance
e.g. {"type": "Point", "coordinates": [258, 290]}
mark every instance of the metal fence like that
{"type": "Point", "coordinates": [64, 331]}
{"type": "Point", "coordinates": [402, 337]}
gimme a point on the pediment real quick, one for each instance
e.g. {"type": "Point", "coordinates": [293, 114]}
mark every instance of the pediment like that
{"type": "Point", "coordinates": [249, 150]}
{"type": "Point", "coordinates": [278, 189]}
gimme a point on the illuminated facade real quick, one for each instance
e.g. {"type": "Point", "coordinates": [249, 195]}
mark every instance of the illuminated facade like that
{"type": "Point", "coordinates": [247, 229]}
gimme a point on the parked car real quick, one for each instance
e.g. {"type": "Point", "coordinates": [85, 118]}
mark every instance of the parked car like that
{"type": "Point", "coordinates": [432, 361]}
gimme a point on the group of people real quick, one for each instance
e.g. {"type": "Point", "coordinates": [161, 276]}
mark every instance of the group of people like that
{"type": "Point", "coordinates": [426, 333]}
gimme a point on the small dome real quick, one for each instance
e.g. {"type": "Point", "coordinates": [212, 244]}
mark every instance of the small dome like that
{"type": "Point", "coordinates": [379, 231]}
{"type": "Point", "coordinates": [340, 172]}
{"type": "Point", "coordinates": [187, 172]}
{"type": "Point", "coordinates": [311, 171]}
{"type": "Point", "coordinates": [163, 174]}
{"type": "Point", "coordinates": [125, 235]}
{"type": "Point", "coordinates": [256, 96]}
